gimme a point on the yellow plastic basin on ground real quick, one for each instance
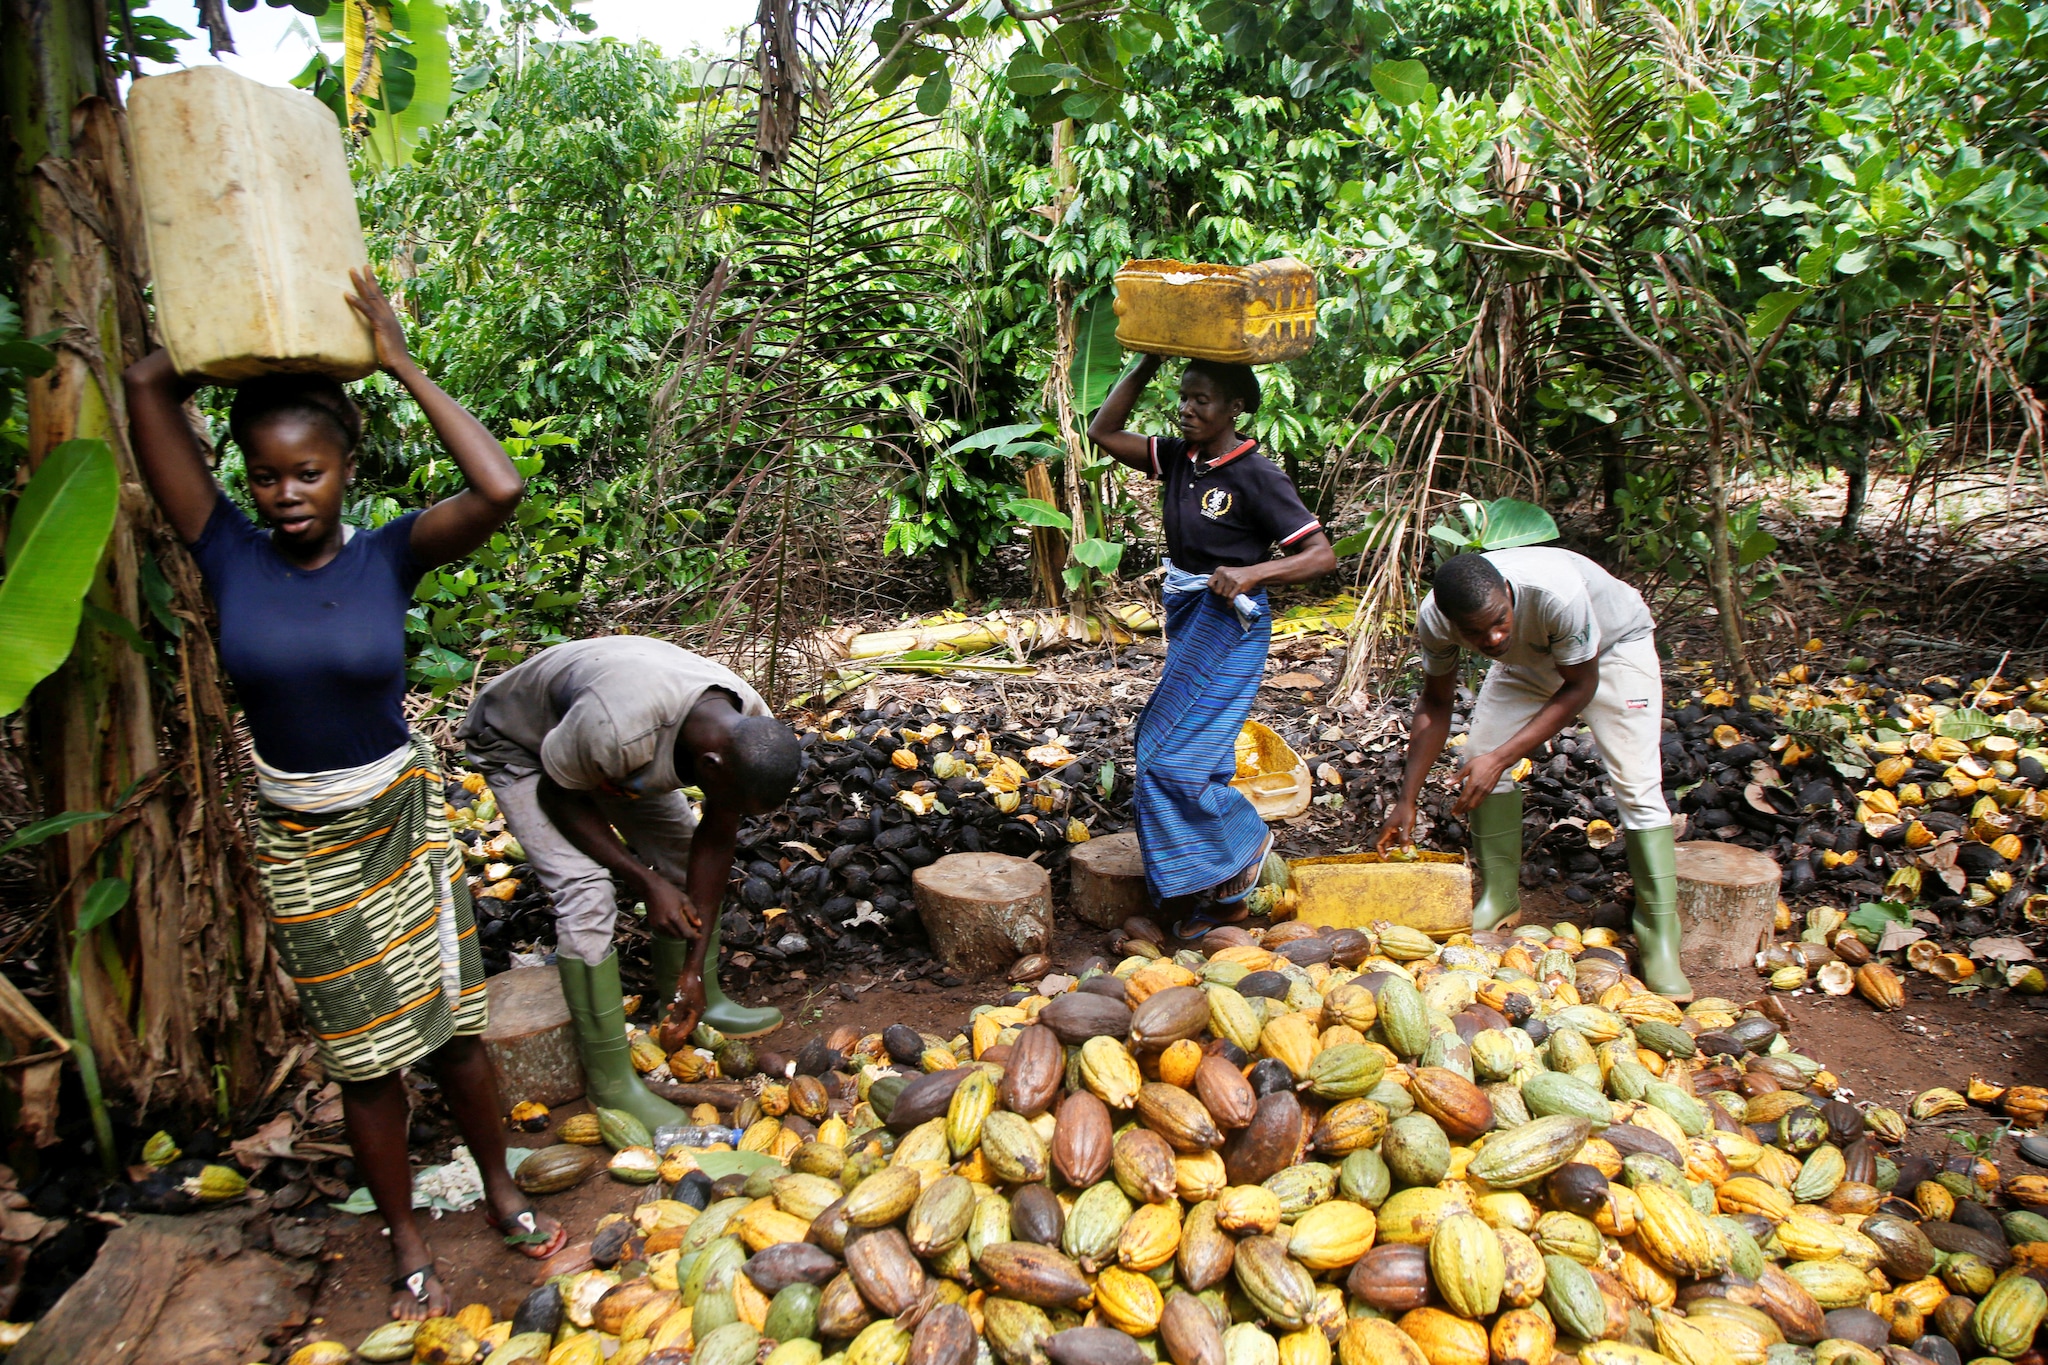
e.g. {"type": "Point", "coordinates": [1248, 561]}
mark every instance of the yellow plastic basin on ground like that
{"type": "Point", "coordinates": [1432, 893]}
{"type": "Point", "coordinates": [1270, 773]}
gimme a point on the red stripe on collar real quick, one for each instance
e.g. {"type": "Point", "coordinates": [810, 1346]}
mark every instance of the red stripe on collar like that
{"type": "Point", "coordinates": [1225, 459]}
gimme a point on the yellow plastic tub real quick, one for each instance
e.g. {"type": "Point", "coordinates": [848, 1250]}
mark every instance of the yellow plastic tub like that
{"type": "Point", "coordinates": [1244, 314]}
{"type": "Point", "coordinates": [1433, 893]}
{"type": "Point", "coordinates": [1270, 773]}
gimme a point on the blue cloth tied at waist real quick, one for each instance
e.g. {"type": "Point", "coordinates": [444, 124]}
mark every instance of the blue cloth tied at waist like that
{"type": "Point", "coordinates": [1195, 830]}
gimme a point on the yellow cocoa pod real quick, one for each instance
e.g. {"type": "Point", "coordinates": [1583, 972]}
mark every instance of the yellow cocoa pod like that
{"type": "Point", "coordinates": [1522, 1336]}
{"type": "Point", "coordinates": [1128, 1301]}
{"type": "Point", "coordinates": [1332, 1235]}
{"type": "Point", "coordinates": [1109, 1072]}
{"type": "Point", "coordinates": [1466, 1265]}
{"type": "Point", "coordinates": [1150, 1238]}
{"type": "Point", "coordinates": [1245, 1210]}
{"type": "Point", "coordinates": [1291, 1041]}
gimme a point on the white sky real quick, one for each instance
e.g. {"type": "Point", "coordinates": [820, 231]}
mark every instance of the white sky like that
{"type": "Point", "coordinates": [272, 45]}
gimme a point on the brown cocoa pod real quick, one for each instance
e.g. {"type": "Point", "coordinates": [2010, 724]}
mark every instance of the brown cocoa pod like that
{"type": "Point", "coordinates": [1032, 1076]}
{"type": "Point", "coordinates": [886, 1271]}
{"type": "Point", "coordinates": [1167, 1016]}
{"type": "Point", "coordinates": [1392, 1278]}
{"type": "Point", "coordinates": [1795, 1311]}
{"type": "Point", "coordinates": [1349, 947]}
{"type": "Point", "coordinates": [1461, 1107]}
{"type": "Point", "coordinates": [1266, 1146]}
{"type": "Point", "coordinates": [1078, 1016]}
{"type": "Point", "coordinates": [1143, 1163]}
{"type": "Point", "coordinates": [1905, 1251]}
{"type": "Point", "coordinates": [1178, 1117]}
{"type": "Point", "coordinates": [945, 1336]}
{"type": "Point", "coordinates": [1036, 1215]}
{"type": "Point", "coordinates": [1188, 1331]}
{"type": "Point", "coordinates": [1951, 1317]}
{"type": "Point", "coordinates": [1225, 1093]}
{"type": "Point", "coordinates": [1859, 1162]}
{"type": "Point", "coordinates": [830, 1228]}
{"type": "Point", "coordinates": [842, 1312]}
{"type": "Point", "coordinates": [778, 1267]}
{"type": "Point", "coordinates": [926, 1098]}
{"type": "Point", "coordinates": [1033, 1274]}
{"type": "Point", "coordinates": [1628, 1139]}
{"type": "Point", "coordinates": [1095, 1346]}
{"type": "Point", "coordinates": [1206, 1251]}
{"type": "Point", "coordinates": [1956, 1237]}
{"type": "Point", "coordinates": [1081, 1140]}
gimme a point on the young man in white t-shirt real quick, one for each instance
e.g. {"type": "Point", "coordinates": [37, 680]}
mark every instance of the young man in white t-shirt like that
{"type": "Point", "coordinates": [1567, 640]}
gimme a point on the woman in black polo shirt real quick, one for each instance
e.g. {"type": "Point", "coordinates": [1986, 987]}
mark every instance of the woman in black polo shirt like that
{"type": "Point", "coordinates": [1225, 507]}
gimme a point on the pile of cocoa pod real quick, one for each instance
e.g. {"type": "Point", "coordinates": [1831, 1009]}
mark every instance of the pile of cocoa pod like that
{"type": "Point", "coordinates": [1303, 1144]}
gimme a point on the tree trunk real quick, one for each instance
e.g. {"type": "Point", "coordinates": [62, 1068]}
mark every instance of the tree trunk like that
{"type": "Point", "coordinates": [1721, 568]}
{"type": "Point", "coordinates": [183, 1004]}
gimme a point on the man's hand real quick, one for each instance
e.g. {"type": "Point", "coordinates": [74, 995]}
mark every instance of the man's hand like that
{"type": "Point", "coordinates": [1227, 582]}
{"type": "Point", "coordinates": [670, 913]}
{"type": "Point", "coordinates": [1477, 776]}
{"type": "Point", "coordinates": [1399, 826]}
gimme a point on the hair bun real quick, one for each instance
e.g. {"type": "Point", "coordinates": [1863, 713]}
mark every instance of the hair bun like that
{"type": "Point", "coordinates": [317, 396]}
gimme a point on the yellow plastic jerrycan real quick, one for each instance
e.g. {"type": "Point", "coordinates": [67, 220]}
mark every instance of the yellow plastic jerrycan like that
{"type": "Point", "coordinates": [252, 227]}
{"type": "Point", "coordinates": [1245, 314]}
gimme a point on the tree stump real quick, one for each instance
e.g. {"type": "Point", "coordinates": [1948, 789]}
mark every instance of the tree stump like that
{"type": "Point", "coordinates": [984, 910]}
{"type": "Point", "coordinates": [531, 1043]}
{"type": "Point", "coordinates": [1107, 880]}
{"type": "Point", "coordinates": [1727, 897]}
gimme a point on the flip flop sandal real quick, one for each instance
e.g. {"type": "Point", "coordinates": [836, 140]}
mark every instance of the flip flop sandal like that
{"type": "Point", "coordinates": [522, 1231]}
{"type": "Point", "coordinates": [1200, 922]}
{"type": "Point", "coordinates": [414, 1282]}
{"type": "Point", "coordinates": [1239, 886]}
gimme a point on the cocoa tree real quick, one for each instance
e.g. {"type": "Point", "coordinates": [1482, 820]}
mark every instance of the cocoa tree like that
{"type": "Point", "coordinates": [180, 996]}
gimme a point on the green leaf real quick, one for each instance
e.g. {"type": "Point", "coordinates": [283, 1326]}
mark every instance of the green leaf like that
{"type": "Point", "coordinates": [996, 436]}
{"type": "Point", "coordinates": [1098, 357]}
{"type": "Point", "coordinates": [1037, 512]}
{"type": "Point", "coordinates": [1105, 781]}
{"type": "Point", "coordinates": [118, 626]}
{"type": "Point", "coordinates": [1870, 919]}
{"type": "Point", "coordinates": [1100, 555]}
{"type": "Point", "coordinates": [102, 902]}
{"type": "Point", "coordinates": [1511, 522]}
{"type": "Point", "coordinates": [1965, 723]}
{"type": "Point", "coordinates": [935, 93]}
{"type": "Point", "coordinates": [28, 836]}
{"type": "Point", "coordinates": [1401, 83]}
{"type": "Point", "coordinates": [1772, 310]}
{"type": "Point", "coordinates": [53, 551]}
{"type": "Point", "coordinates": [718, 1165]}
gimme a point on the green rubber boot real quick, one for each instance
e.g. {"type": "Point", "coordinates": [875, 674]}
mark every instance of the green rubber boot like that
{"type": "Point", "coordinates": [1497, 852]}
{"type": "Point", "coordinates": [1653, 862]}
{"type": "Point", "coordinates": [721, 1012]}
{"type": "Point", "coordinates": [597, 1009]}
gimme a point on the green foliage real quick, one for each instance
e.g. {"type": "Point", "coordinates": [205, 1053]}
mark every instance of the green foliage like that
{"type": "Point", "coordinates": [54, 541]}
{"type": "Point", "coordinates": [1501, 524]}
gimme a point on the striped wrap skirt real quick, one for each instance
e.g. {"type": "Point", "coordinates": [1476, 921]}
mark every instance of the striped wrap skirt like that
{"type": "Point", "coordinates": [372, 919]}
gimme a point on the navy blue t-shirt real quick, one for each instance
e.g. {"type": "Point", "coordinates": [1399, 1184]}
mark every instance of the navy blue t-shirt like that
{"type": "Point", "coordinates": [317, 656]}
{"type": "Point", "coordinates": [1232, 511]}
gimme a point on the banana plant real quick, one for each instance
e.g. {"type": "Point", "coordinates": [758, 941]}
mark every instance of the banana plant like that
{"type": "Point", "coordinates": [396, 78]}
{"type": "Point", "coordinates": [54, 542]}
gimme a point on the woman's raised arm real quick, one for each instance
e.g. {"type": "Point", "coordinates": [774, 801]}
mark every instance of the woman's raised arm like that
{"type": "Point", "coordinates": [166, 447]}
{"type": "Point", "coordinates": [452, 527]}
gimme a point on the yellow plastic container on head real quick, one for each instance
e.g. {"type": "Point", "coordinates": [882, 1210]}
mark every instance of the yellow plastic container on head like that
{"type": "Point", "coordinates": [1433, 892]}
{"type": "Point", "coordinates": [252, 226]}
{"type": "Point", "coordinates": [1270, 773]}
{"type": "Point", "coordinates": [1244, 314]}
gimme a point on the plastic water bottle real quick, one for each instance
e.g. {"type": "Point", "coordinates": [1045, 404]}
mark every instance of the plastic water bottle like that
{"type": "Point", "coordinates": [709, 1135]}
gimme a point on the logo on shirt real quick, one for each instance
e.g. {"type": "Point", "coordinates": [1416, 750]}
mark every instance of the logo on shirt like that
{"type": "Point", "coordinates": [1216, 504]}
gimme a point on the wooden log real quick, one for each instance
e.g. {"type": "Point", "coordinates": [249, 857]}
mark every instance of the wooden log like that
{"type": "Point", "coordinates": [531, 1043]}
{"type": "Point", "coordinates": [174, 1291]}
{"type": "Point", "coordinates": [984, 910]}
{"type": "Point", "coordinates": [1106, 880]}
{"type": "Point", "coordinates": [717, 1094]}
{"type": "Point", "coordinates": [1727, 899]}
